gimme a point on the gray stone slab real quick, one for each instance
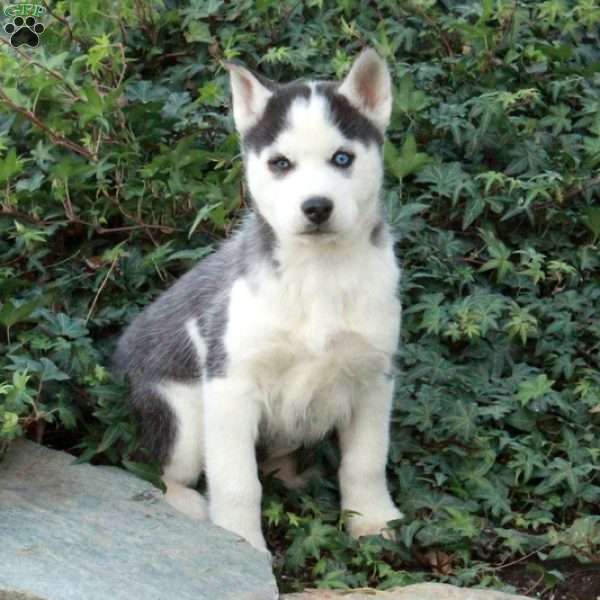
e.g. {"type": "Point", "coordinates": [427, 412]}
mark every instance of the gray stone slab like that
{"type": "Point", "coordinates": [79, 532]}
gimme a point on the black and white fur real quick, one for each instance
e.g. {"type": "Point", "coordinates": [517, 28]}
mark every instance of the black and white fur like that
{"type": "Point", "coordinates": [288, 330]}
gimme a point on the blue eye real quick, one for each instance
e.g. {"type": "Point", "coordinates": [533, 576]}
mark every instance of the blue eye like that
{"type": "Point", "coordinates": [280, 164]}
{"type": "Point", "coordinates": [342, 159]}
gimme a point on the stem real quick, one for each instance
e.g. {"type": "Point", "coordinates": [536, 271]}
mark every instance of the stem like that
{"type": "Point", "coordinates": [57, 138]}
{"type": "Point", "coordinates": [72, 91]}
{"type": "Point", "coordinates": [102, 285]}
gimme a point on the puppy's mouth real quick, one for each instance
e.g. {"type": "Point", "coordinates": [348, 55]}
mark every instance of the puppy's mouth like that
{"type": "Point", "coordinates": [317, 230]}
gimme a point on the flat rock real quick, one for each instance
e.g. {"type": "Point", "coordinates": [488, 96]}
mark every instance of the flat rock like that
{"type": "Point", "coordinates": [79, 532]}
{"type": "Point", "coordinates": [420, 591]}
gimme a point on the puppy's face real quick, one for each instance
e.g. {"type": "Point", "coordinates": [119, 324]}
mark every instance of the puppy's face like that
{"type": "Point", "coordinates": [313, 150]}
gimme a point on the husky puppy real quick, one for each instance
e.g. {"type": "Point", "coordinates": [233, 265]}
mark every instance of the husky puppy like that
{"type": "Point", "coordinates": [289, 329]}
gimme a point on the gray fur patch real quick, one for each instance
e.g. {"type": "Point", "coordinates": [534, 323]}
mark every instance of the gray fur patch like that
{"type": "Point", "coordinates": [350, 121]}
{"type": "Point", "coordinates": [157, 422]}
{"type": "Point", "coordinates": [273, 121]}
{"type": "Point", "coordinates": [156, 346]}
{"type": "Point", "coordinates": [378, 235]}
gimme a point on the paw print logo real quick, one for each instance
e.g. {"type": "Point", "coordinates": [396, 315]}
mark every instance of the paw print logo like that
{"type": "Point", "coordinates": [24, 31]}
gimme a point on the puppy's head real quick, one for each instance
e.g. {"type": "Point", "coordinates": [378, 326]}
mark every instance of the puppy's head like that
{"type": "Point", "coordinates": [312, 149]}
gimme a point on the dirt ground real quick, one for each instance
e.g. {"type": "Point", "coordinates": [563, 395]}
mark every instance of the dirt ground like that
{"type": "Point", "coordinates": [581, 582]}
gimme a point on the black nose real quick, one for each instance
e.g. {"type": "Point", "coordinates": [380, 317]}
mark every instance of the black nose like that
{"type": "Point", "coordinates": [317, 209]}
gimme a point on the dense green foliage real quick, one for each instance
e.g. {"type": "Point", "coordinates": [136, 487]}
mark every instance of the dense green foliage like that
{"type": "Point", "coordinates": [119, 168]}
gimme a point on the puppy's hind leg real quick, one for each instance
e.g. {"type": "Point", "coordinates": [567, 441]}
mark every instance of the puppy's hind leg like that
{"type": "Point", "coordinates": [186, 460]}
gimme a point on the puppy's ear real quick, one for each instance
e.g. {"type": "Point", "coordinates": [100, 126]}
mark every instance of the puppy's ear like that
{"type": "Point", "coordinates": [368, 88]}
{"type": "Point", "coordinates": [250, 96]}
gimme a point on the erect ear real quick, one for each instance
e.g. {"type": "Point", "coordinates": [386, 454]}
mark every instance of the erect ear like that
{"type": "Point", "coordinates": [250, 97]}
{"type": "Point", "coordinates": [368, 88]}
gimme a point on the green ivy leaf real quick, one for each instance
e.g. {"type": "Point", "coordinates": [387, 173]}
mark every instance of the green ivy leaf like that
{"type": "Point", "coordinates": [534, 388]}
{"type": "Point", "coordinates": [10, 166]}
{"type": "Point", "coordinates": [407, 161]}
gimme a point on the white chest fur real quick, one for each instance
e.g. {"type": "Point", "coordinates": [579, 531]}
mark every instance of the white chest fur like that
{"type": "Point", "coordinates": [311, 335]}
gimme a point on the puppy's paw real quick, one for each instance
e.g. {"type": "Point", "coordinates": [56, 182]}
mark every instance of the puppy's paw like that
{"type": "Point", "coordinates": [374, 523]}
{"type": "Point", "coordinates": [256, 540]}
{"type": "Point", "coordinates": [186, 500]}
{"type": "Point", "coordinates": [244, 528]}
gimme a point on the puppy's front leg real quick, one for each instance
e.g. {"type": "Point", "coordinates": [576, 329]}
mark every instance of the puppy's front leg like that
{"type": "Point", "coordinates": [231, 427]}
{"type": "Point", "coordinates": [364, 443]}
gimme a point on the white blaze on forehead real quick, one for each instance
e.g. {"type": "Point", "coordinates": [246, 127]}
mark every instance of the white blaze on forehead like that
{"type": "Point", "coordinates": [309, 129]}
